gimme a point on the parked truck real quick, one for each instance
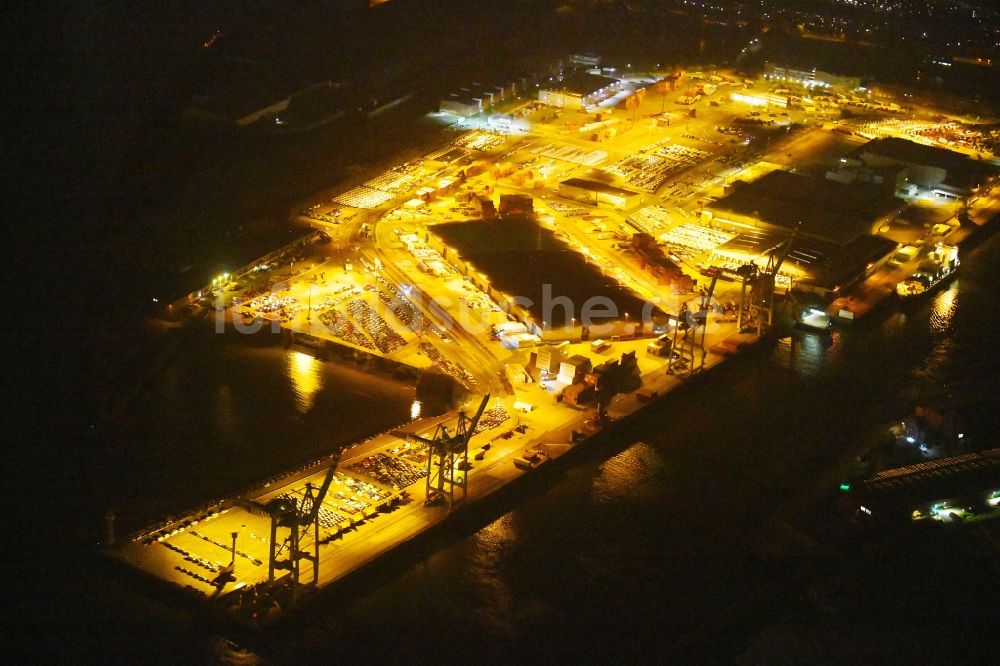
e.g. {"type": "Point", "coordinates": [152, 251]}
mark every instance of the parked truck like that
{"type": "Point", "coordinates": [660, 346]}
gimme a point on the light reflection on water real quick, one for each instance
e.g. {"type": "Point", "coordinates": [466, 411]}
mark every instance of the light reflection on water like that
{"type": "Point", "coordinates": [496, 536]}
{"type": "Point", "coordinates": [808, 354]}
{"type": "Point", "coordinates": [626, 474]}
{"type": "Point", "coordinates": [933, 378]}
{"type": "Point", "coordinates": [943, 309]}
{"type": "Point", "coordinates": [307, 379]}
{"type": "Point", "coordinates": [486, 575]}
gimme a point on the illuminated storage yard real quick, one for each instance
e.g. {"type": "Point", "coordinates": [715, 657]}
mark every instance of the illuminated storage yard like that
{"type": "Point", "coordinates": [571, 331]}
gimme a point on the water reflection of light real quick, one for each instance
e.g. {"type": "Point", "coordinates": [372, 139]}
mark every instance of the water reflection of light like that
{"type": "Point", "coordinates": [943, 310]}
{"type": "Point", "coordinates": [499, 534]}
{"type": "Point", "coordinates": [307, 380]}
{"type": "Point", "coordinates": [626, 474]}
{"type": "Point", "coordinates": [488, 581]}
{"type": "Point", "coordinates": [809, 354]}
{"type": "Point", "coordinates": [811, 349]}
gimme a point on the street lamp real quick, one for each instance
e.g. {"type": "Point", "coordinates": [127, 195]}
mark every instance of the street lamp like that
{"type": "Point", "coordinates": [233, 563]}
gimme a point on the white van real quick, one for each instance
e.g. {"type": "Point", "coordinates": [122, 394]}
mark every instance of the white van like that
{"type": "Point", "coordinates": [598, 346]}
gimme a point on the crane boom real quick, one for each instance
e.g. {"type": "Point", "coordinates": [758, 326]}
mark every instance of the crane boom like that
{"type": "Point", "coordinates": [690, 321]}
{"type": "Point", "coordinates": [318, 500]}
{"type": "Point", "coordinates": [412, 436]}
{"type": "Point", "coordinates": [762, 292]}
{"type": "Point", "coordinates": [475, 420]}
{"type": "Point", "coordinates": [448, 455]}
{"type": "Point", "coordinates": [706, 299]}
{"type": "Point", "coordinates": [785, 248]}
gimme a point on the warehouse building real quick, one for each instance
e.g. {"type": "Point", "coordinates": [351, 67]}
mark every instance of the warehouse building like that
{"type": "Point", "coordinates": [598, 193]}
{"type": "Point", "coordinates": [835, 247]}
{"type": "Point", "coordinates": [476, 98]}
{"type": "Point", "coordinates": [941, 170]}
{"type": "Point", "coordinates": [462, 105]}
{"type": "Point", "coordinates": [540, 281]}
{"type": "Point", "coordinates": [578, 90]}
{"type": "Point", "coordinates": [828, 210]}
{"type": "Point", "coordinates": [809, 77]}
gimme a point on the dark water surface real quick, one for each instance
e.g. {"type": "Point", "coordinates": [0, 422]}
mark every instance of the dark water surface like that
{"type": "Point", "coordinates": [225, 413]}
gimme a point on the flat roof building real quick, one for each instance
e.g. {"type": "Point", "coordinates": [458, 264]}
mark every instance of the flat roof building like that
{"type": "Point", "coordinates": [461, 105]}
{"type": "Point", "coordinates": [894, 493]}
{"type": "Point", "coordinates": [928, 166]}
{"type": "Point", "coordinates": [538, 279]}
{"type": "Point", "coordinates": [598, 193]}
{"type": "Point", "coordinates": [828, 210]}
{"type": "Point", "coordinates": [577, 90]}
{"type": "Point", "coordinates": [835, 247]}
{"type": "Point", "coordinates": [585, 59]}
{"type": "Point", "coordinates": [474, 98]}
{"type": "Point", "coordinates": [810, 77]}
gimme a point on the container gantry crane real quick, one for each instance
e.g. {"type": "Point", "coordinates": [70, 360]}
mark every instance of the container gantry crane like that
{"type": "Point", "coordinates": [690, 323]}
{"type": "Point", "coordinates": [758, 312]}
{"type": "Point", "coordinates": [297, 516]}
{"type": "Point", "coordinates": [448, 459]}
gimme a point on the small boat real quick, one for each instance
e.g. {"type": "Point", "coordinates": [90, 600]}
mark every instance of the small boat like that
{"type": "Point", "coordinates": [940, 264]}
{"type": "Point", "coordinates": [814, 320]}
